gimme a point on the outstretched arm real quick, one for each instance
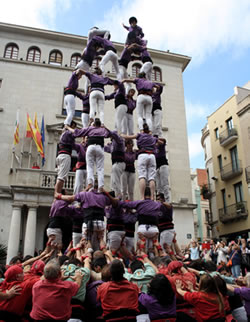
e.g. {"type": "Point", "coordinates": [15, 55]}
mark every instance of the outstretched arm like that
{"type": "Point", "coordinates": [127, 137]}
{"type": "Point", "coordinates": [68, 198]}
{"type": "Point", "coordinates": [128, 80]}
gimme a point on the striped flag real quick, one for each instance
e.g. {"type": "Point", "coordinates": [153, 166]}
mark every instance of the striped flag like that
{"type": "Point", "coordinates": [43, 139]}
{"type": "Point", "coordinates": [35, 134]}
{"type": "Point", "coordinates": [16, 133]}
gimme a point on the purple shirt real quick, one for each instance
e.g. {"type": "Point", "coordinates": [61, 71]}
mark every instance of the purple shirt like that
{"type": "Point", "coordinates": [146, 141]}
{"type": "Point", "coordinates": [60, 208]}
{"type": "Point", "coordinates": [92, 199]}
{"type": "Point", "coordinates": [244, 292]}
{"type": "Point", "coordinates": [117, 143]}
{"type": "Point", "coordinates": [144, 84]}
{"type": "Point", "coordinates": [104, 43]}
{"type": "Point", "coordinates": [115, 212]}
{"type": "Point", "coordinates": [119, 92]}
{"type": "Point", "coordinates": [131, 103]}
{"type": "Point", "coordinates": [144, 207]}
{"type": "Point", "coordinates": [94, 78]}
{"type": "Point", "coordinates": [93, 131]}
{"type": "Point", "coordinates": [81, 152]}
{"type": "Point", "coordinates": [161, 151]}
{"type": "Point", "coordinates": [156, 96]}
{"type": "Point", "coordinates": [85, 103]}
{"type": "Point", "coordinates": [89, 52]}
{"type": "Point", "coordinates": [155, 309]}
{"type": "Point", "coordinates": [73, 81]}
{"type": "Point", "coordinates": [130, 157]}
{"type": "Point", "coordinates": [129, 218]}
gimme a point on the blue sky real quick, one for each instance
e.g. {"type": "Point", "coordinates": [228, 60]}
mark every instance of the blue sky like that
{"type": "Point", "coordinates": [214, 33]}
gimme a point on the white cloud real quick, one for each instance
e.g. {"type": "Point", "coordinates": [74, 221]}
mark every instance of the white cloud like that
{"type": "Point", "coordinates": [197, 28]}
{"type": "Point", "coordinates": [196, 111]}
{"type": "Point", "coordinates": [194, 143]}
{"type": "Point", "coordinates": [33, 13]}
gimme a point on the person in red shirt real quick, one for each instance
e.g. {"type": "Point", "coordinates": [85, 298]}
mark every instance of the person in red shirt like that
{"type": "Point", "coordinates": [119, 297]}
{"type": "Point", "coordinates": [13, 309]}
{"type": "Point", "coordinates": [208, 302]}
{"type": "Point", "coordinates": [52, 296]}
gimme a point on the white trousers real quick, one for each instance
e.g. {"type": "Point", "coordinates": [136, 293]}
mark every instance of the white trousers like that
{"type": "Point", "coordinates": [116, 177]}
{"type": "Point", "coordinates": [115, 239]}
{"type": "Point", "coordinates": [147, 69]}
{"type": "Point", "coordinates": [96, 102]}
{"type": "Point", "coordinates": [128, 185]}
{"type": "Point", "coordinates": [128, 124]}
{"type": "Point", "coordinates": [129, 243]}
{"type": "Point", "coordinates": [110, 56]}
{"type": "Point", "coordinates": [162, 184]}
{"type": "Point", "coordinates": [85, 120]}
{"type": "Point", "coordinates": [123, 74]}
{"type": "Point", "coordinates": [97, 32]}
{"type": "Point", "coordinates": [84, 66]}
{"type": "Point", "coordinates": [157, 123]}
{"type": "Point", "coordinates": [120, 114]}
{"type": "Point", "coordinates": [80, 180]}
{"type": "Point", "coordinates": [57, 232]}
{"type": "Point", "coordinates": [98, 226]}
{"type": "Point", "coordinates": [76, 238]}
{"type": "Point", "coordinates": [166, 237]}
{"type": "Point", "coordinates": [70, 104]}
{"type": "Point", "coordinates": [146, 166]}
{"type": "Point", "coordinates": [63, 163]}
{"type": "Point", "coordinates": [144, 108]}
{"type": "Point", "coordinates": [95, 156]}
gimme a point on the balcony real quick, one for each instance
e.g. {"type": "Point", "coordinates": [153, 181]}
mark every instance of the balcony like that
{"type": "Point", "coordinates": [231, 170]}
{"type": "Point", "coordinates": [247, 170]}
{"type": "Point", "coordinates": [34, 178]}
{"type": "Point", "coordinates": [206, 191]}
{"type": "Point", "coordinates": [233, 212]}
{"type": "Point", "coordinates": [228, 136]}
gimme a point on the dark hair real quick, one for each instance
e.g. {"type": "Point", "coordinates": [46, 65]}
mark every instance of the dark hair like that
{"type": "Point", "coordinates": [106, 274]}
{"type": "Point", "coordinates": [27, 257]}
{"type": "Point", "coordinates": [166, 260]}
{"type": "Point", "coordinates": [128, 141]}
{"type": "Point", "coordinates": [97, 71]}
{"type": "Point", "coordinates": [15, 259]}
{"type": "Point", "coordinates": [160, 195]}
{"type": "Point", "coordinates": [112, 194]}
{"type": "Point", "coordinates": [116, 82]}
{"type": "Point", "coordinates": [99, 261]}
{"type": "Point", "coordinates": [147, 192]}
{"type": "Point", "coordinates": [75, 261]}
{"type": "Point", "coordinates": [222, 286]}
{"type": "Point", "coordinates": [142, 75]}
{"type": "Point", "coordinates": [136, 264]}
{"type": "Point", "coordinates": [210, 266]}
{"type": "Point", "coordinates": [159, 287]}
{"type": "Point", "coordinates": [145, 128]}
{"type": "Point", "coordinates": [62, 259]}
{"type": "Point", "coordinates": [73, 124]}
{"type": "Point", "coordinates": [132, 19]}
{"type": "Point", "coordinates": [117, 270]}
{"type": "Point", "coordinates": [97, 122]}
{"type": "Point", "coordinates": [224, 268]}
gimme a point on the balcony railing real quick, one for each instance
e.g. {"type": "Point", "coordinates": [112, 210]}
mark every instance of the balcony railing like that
{"type": "Point", "coordinates": [42, 179]}
{"type": "Point", "coordinates": [228, 136]}
{"type": "Point", "coordinates": [247, 170]}
{"type": "Point", "coordinates": [233, 212]}
{"type": "Point", "coordinates": [231, 170]}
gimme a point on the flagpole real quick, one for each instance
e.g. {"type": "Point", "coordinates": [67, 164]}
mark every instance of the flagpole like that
{"type": "Point", "coordinates": [30, 153]}
{"type": "Point", "coordinates": [13, 147]}
{"type": "Point", "coordinates": [24, 135]}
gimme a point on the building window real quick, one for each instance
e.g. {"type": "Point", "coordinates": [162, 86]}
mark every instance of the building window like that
{"type": "Point", "coordinates": [136, 70]}
{"type": "Point", "coordinates": [234, 158]}
{"type": "Point", "coordinates": [238, 192]}
{"type": "Point", "coordinates": [95, 64]}
{"type": "Point", "coordinates": [34, 54]}
{"type": "Point", "coordinates": [223, 193]}
{"type": "Point", "coordinates": [1, 81]}
{"type": "Point", "coordinates": [156, 74]}
{"type": "Point", "coordinates": [229, 123]}
{"type": "Point", "coordinates": [75, 58]}
{"type": "Point", "coordinates": [11, 51]}
{"type": "Point", "coordinates": [216, 133]}
{"type": "Point", "coordinates": [220, 162]}
{"type": "Point", "coordinates": [55, 58]}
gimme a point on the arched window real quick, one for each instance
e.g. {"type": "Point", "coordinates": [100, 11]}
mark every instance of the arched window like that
{"type": "Point", "coordinates": [34, 54]}
{"type": "Point", "coordinates": [156, 74]}
{"type": "Point", "coordinates": [11, 51]}
{"type": "Point", "coordinates": [75, 58]}
{"type": "Point", "coordinates": [95, 64]}
{"type": "Point", "coordinates": [55, 57]}
{"type": "Point", "coordinates": [136, 70]}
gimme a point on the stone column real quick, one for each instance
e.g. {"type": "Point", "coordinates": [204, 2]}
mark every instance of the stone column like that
{"type": "Point", "coordinates": [14, 234]}
{"type": "Point", "coordinates": [30, 232]}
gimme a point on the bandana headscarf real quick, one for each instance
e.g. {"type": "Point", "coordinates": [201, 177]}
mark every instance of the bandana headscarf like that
{"type": "Point", "coordinates": [174, 265]}
{"type": "Point", "coordinates": [37, 267]}
{"type": "Point", "coordinates": [11, 277]}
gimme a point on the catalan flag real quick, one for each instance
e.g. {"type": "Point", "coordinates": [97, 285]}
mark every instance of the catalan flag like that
{"type": "Point", "coordinates": [35, 135]}
{"type": "Point", "coordinates": [16, 133]}
{"type": "Point", "coordinates": [43, 139]}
